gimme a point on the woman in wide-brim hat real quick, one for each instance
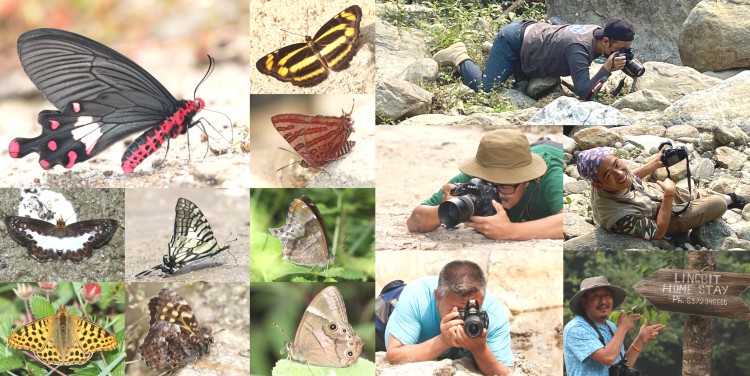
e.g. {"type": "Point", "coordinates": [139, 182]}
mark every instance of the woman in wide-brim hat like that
{"type": "Point", "coordinates": [529, 183]}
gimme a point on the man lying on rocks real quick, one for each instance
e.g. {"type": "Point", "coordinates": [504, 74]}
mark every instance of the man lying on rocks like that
{"type": "Point", "coordinates": [517, 196]}
{"type": "Point", "coordinates": [528, 49]}
{"type": "Point", "coordinates": [623, 203]}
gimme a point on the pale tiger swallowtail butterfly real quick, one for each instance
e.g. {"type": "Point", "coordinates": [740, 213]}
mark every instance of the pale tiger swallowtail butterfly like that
{"type": "Point", "coordinates": [192, 241]}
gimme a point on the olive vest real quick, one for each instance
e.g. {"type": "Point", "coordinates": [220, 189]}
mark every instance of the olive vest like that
{"type": "Point", "coordinates": [544, 45]}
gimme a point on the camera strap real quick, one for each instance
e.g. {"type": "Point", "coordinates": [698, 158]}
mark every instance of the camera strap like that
{"type": "Point", "coordinates": [601, 337]}
{"type": "Point", "coordinates": [684, 208]}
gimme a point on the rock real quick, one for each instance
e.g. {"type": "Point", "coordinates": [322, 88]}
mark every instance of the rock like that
{"type": "Point", "coordinates": [712, 234]}
{"type": "Point", "coordinates": [539, 86]}
{"type": "Point", "coordinates": [673, 82]}
{"type": "Point", "coordinates": [746, 213]}
{"type": "Point", "coordinates": [404, 13]}
{"type": "Point", "coordinates": [421, 70]}
{"type": "Point", "coordinates": [517, 98]}
{"type": "Point", "coordinates": [722, 185]}
{"type": "Point", "coordinates": [649, 144]}
{"type": "Point", "coordinates": [728, 133]}
{"type": "Point", "coordinates": [729, 158]}
{"type": "Point", "coordinates": [682, 131]}
{"type": "Point", "coordinates": [603, 240]}
{"type": "Point", "coordinates": [702, 168]}
{"type": "Point", "coordinates": [678, 171]}
{"type": "Point", "coordinates": [714, 36]}
{"type": "Point", "coordinates": [723, 75]}
{"type": "Point", "coordinates": [741, 229]}
{"type": "Point", "coordinates": [578, 186]}
{"type": "Point", "coordinates": [643, 100]}
{"type": "Point", "coordinates": [570, 111]}
{"type": "Point", "coordinates": [640, 130]}
{"type": "Point", "coordinates": [575, 225]}
{"type": "Point", "coordinates": [725, 103]}
{"type": "Point", "coordinates": [592, 137]}
{"type": "Point", "coordinates": [569, 144]}
{"type": "Point", "coordinates": [433, 119]}
{"type": "Point", "coordinates": [515, 117]}
{"type": "Point", "coordinates": [707, 142]}
{"type": "Point", "coordinates": [396, 99]}
{"type": "Point", "coordinates": [396, 49]}
{"type": "Point", "coordinates": [658, 24]}
{"type": "Point", "coordinates": [734, 244]}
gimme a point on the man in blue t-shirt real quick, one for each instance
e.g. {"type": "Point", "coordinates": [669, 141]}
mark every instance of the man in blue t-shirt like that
{"type": "Point", "coordinates": [425, 324]}
{"type": "Point", "coordinates": [591, 343]}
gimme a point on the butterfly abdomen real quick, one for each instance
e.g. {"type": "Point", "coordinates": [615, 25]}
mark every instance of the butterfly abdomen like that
{"type": "Point", "coordinates": [151, 140]}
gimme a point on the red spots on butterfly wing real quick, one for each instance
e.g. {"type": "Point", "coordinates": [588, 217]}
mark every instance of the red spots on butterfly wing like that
{"type": "Point", "coordinates": [54, 124]}
{"type": "Point", "coordinates": [72, 156]}
{"type": "Point", "coordinates": [76, 107]}
{"type": "Point", "coordinates": [44, 164]}
{"type": "Point", "coordinates": [13, 149]}
{"type": "Point", "coordinates": [52, 145]}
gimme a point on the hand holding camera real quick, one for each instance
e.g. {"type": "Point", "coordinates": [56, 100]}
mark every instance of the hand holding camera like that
{"type": "Point", "coordinates": [471, 199]}
{"type": "Point", "coordinates": [448, 327]}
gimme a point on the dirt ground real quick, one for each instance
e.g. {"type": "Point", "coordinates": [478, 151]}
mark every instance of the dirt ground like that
{"type": "Point", "coordinates": [413, 163]}
{"type": "Point", "coordinates": [149, 226]}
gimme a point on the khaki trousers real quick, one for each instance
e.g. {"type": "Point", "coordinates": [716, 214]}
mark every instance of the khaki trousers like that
{"type": "Point", "coordinates": [700, 211]}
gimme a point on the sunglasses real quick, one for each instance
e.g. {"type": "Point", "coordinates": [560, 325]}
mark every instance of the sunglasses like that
{"type": "Point", "coordinates": [507, 189]}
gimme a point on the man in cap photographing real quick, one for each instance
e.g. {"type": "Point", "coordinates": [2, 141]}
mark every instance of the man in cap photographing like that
{"type": "Point", "coordinates": [509, 191]}
{"type": "Point", "coordinates": [528, 49]}
{"type": "Point", "coordinates": [591, 343]}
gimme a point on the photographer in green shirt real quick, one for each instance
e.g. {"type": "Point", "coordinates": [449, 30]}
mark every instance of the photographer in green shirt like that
{"type": "Point", "coordinates": [525, 184]}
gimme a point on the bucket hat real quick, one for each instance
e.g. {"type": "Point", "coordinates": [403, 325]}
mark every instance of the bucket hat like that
{"type": "Point", "coordinates": [588, 284]}
{"type": "Point", "coordinates": [504, 157]}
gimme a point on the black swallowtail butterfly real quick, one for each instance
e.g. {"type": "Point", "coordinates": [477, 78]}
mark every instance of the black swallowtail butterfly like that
{"type": "Point", "coordinates": [102, 97]}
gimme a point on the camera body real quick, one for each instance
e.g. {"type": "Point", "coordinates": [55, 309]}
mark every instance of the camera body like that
{"type": "Point", "coordinates": [473, 198]}
{"type": "Point", "coordinates": [623, 369]}
{"type": "Point", "coordinates": [633, 67]}
{"type": "Point", "coordinates": [672, 155]}
{"type": "Point", "coordinates": [475, 320]}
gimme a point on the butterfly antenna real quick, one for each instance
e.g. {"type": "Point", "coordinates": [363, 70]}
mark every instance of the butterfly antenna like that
{"type": "Point", "coordinates": [231, 128]}
{"type": "Point", "coordinates": [293, 33]}
{"type": "Point", "coordinates": [211, 66]}
{"type": "Point", "coordinates": [283, 331]}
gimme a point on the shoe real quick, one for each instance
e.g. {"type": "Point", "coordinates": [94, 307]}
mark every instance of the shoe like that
{"type": "Point", "coordinates": [454, 55]}
{"type": "Point", "coordinates": [486, 47]}
{"type": "Point", "coordinates": [737, 202]}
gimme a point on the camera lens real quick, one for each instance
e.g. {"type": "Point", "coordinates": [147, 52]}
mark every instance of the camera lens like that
{"type": "Point", "coordinates": [473, 326]}
{"type": "Point", "coordinates": [456, 210]}
{"type": "Point", "coordinates": [636, 69]}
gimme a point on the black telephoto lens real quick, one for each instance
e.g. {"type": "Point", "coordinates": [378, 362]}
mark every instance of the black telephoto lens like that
{"type": "Point", "coordinates": [456, 210]}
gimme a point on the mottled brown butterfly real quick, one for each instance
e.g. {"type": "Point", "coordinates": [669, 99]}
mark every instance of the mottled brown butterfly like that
{"type": "Point", "coordinates": [62, 339]}
{"type": "Point", "coordinates": [304, 236]}
{"type": "Point", "coordinates": [174, 336]}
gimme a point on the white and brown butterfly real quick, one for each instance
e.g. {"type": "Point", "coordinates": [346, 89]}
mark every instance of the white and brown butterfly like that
{"type": "Point", "coordinates": [324, 336]}
{"type": "Point", "coordinates": [62, 339]}
{"type": "Point", "coordinates": [174, 337]}
{"type": "Point", "coordinates": [307, 64]}
{"type": "Point", "coordinates": [318, 139]}
{"type": "Point", "coordinates": [304, 236]}
{"type": "Point", "coordinates": [47, 242]}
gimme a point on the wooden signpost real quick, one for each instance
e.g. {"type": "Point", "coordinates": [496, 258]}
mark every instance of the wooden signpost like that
{"type": "Point", "coordinates": [706, 293]}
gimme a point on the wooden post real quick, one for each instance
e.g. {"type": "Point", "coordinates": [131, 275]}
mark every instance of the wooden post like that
{"type": "Point", "coordinates": [696, 346]}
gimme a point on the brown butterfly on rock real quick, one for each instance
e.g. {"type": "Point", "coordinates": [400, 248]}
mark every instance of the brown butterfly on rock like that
{"type": "Point", "coordinates": [47, 242]}
{"type": "Point", "coordinates": [175, 337]}
{"type": "Point", "coordinates": [324, 336]}
{"type": "Point", "coordinates": [62, 339]}
{"type": "Point", "coordinates": [304, 236]}
{"type": "Point", "coordinates": [318, 139]}
{"type": "Point", "coordinates": [307, 64]}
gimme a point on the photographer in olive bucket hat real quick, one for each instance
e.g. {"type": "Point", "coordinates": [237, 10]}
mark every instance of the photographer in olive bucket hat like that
{"type": "Point", "coordinates": [591, 343]}
{"type": "Point", "coordinates": [519, 196]}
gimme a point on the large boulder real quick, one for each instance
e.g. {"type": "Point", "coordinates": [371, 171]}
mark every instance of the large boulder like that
{"type": "Point", "coordinates": [571, 111]}
{"type": "Point", "coordinates": [603, 240]}
{"type": "Point", "coordinates": [591, 137]}
{"type": "Point", "coordinates": [715, 35]}
{"type": "Point", "coordinates": [726, 103]}
{"type": "Point", "coordinates": [396, 49]}
{"type": "Point", "coordinates": [396, 99]}
{"type": "Point", "coordinates": [672, 81]}
{"type": "Point", "coordinates": [657, 23]}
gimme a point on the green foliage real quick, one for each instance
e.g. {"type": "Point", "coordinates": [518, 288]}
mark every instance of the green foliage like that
{"type": "Point", "coordinates": [284, 304]}
{"type": "Point", "coordinates": [663, 356]}
{"type": "Point", "coordinates": [67, 293]}
{"type": "Point", "coordinates": [349, 216]}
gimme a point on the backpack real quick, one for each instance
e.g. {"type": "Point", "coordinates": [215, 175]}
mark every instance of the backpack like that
{"type": "Point", "coordinates": [384, 306]}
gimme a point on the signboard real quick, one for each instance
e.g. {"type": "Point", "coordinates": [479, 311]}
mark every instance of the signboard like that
{"type": "Point", "coordinates": [705, 293]}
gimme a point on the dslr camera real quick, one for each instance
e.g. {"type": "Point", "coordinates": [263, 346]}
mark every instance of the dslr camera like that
{"type": "Point", "coordinates": [623, 369]}
{"type": "Point", "coordinates": [474, 198]}
{"type": "Point", "coordinates": [633, 67]}
{"type": "Point", "coordinates": [672, 155]}
{"type": "Point", "coordinates": [475, 320]}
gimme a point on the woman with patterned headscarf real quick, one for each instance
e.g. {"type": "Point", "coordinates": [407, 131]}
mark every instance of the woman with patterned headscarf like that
{"type": "Point", "coordinates": [622, 202]}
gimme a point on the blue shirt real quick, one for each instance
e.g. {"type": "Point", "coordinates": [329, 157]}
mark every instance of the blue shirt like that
{"type": "Point", "coordinates": [580, 341]}
{"type": "Point", "coordinates": [415, 319]}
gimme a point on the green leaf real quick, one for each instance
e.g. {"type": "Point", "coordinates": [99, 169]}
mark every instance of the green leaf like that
{"type": "Point", "coordinates": [290, 367]}
{"type": "Point", "coordinates": [10, 363]}
{"type": "Point", "coordinates": [40, 307]}
{"type": "Point", "coordinates": [6, 322]}
{"type": "Point", "coordinates": [614, 316]}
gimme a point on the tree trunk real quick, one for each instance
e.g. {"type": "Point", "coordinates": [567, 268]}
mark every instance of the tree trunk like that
{"type": "Point", "coordinates": [696, 347]}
